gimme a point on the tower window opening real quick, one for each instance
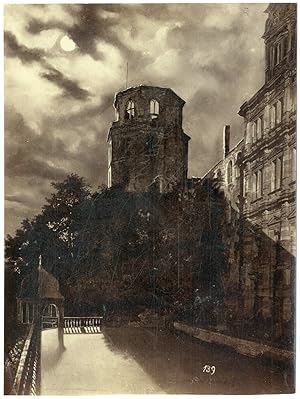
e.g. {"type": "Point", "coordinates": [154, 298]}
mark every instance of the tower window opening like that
{"type": "Point", "coordinates": [154, 109]}
{"type": "Point", "coordinates": [130, 110]}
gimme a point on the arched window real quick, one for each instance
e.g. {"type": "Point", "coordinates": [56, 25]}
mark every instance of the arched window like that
{"type": "Point", "coordinates": [229, 172]}
{"type": "Point", "coordinates": [154, 109]}
{"type": "Point", "coordinates": [50, 311]}
{"type": "Point", "coordinates": [130, 110]}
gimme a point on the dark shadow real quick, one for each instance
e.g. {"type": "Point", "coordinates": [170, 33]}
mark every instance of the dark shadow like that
{"type": "Point", "coordinates": [176, 362]}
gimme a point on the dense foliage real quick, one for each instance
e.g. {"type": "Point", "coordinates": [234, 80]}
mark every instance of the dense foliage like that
{"type": "Point", "coordinates": [129, 251]}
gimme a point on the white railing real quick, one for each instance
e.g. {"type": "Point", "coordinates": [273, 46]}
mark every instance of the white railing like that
{"type": "Point", "coordinates": [27, 378]}
{"type": "Point", "coordinates": [82, 325]}
{"type": "Point", "coordinates": [49, 322]}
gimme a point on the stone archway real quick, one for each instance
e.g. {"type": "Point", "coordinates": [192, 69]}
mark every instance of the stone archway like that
{"type": "Point", "coordinates": [50, 316]}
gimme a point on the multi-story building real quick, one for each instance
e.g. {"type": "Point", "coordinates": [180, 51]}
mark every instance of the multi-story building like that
{"type": "Point", "coordinates": [259, 182]}
{"type": "Point", "coordinates": [147, 145]}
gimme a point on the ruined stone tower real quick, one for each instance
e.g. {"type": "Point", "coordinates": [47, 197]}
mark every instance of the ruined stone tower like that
{"type": "Point", "coordinates": [147, 146]}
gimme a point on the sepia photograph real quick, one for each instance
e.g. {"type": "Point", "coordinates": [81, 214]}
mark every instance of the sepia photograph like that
{"type": "Point", "coordinates": [150, 198]}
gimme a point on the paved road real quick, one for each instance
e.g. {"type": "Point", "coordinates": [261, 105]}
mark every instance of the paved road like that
{"type": "Point", "coordinates": [138, 360]}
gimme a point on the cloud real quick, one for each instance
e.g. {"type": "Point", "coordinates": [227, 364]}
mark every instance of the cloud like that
{"type": "Point", "coordinates": [70, 88]}
{"type": "Point", "coordinates": [91, 23]}
{"type": "Point", "coordinates": [35, 26]}
{"type": "Point", "coordinates": [27, 152]}
{"type": "Point", "coordinates": [14, 49]}
{"type": "Point", "coordinates": [88, 27]}
{"type": "Point", "coordinates": [59, 105]}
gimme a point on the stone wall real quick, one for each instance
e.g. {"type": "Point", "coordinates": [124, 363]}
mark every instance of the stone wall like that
{"type": "Point", "coordinates": [148, 150]}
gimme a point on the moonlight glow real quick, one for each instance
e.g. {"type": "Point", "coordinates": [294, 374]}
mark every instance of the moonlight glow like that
{"type": "Point", "coordinates": [67, 44]}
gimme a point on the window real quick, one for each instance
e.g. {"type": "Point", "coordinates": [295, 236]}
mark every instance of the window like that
{"type": "Point", "coordinates": [273, 169]}
{"type": "Point", "coordinates": [279, 51]}
{"type": "Point", "coordinates": [259, 186]}
{"type": "Point", "coordinates": [253, 132]}
{"type": "Point", "coordinates": [259, 128]}
{"type": "Point", "coordinates": [272, 116]}
{"type": "Point", "coordinates": [130, 110]}
{"type": "Point", "coordinates": [28, 312]}
{"type": "Point", "coordinates": [248, 133]}
{"type": "Point", "coordinates": [265, 118]}
{"type": "Point", "coordinates": [293, 97]}
{"type": "Point", "coordinates": [276, 113]}
{"type": "Point", "coordinates": [254, 183]}
{"type": "Point", "coordinates": [229, 172]}
{"type": "Point", "coordinates": [276, 174]}
{"type": "Point", "coordinates": [154, 109]}
{"type": "Point", "coordinates": [258, 183]}
{"type": "Point", "coordinates": [50, 311]}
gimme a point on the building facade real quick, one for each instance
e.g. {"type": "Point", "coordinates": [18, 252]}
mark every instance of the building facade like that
{"type": "Point", "coordinates": [259, 181]}
{"type": "Point", "coordinates": [258, 176]}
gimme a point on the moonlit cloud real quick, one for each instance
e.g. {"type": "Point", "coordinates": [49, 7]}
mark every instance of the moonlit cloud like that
{"type": "Point", "coordinates": [59, 104]}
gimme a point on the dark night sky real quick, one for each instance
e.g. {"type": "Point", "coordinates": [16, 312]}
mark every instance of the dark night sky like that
{"type": "Point", "coordinates": [64, 63]}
